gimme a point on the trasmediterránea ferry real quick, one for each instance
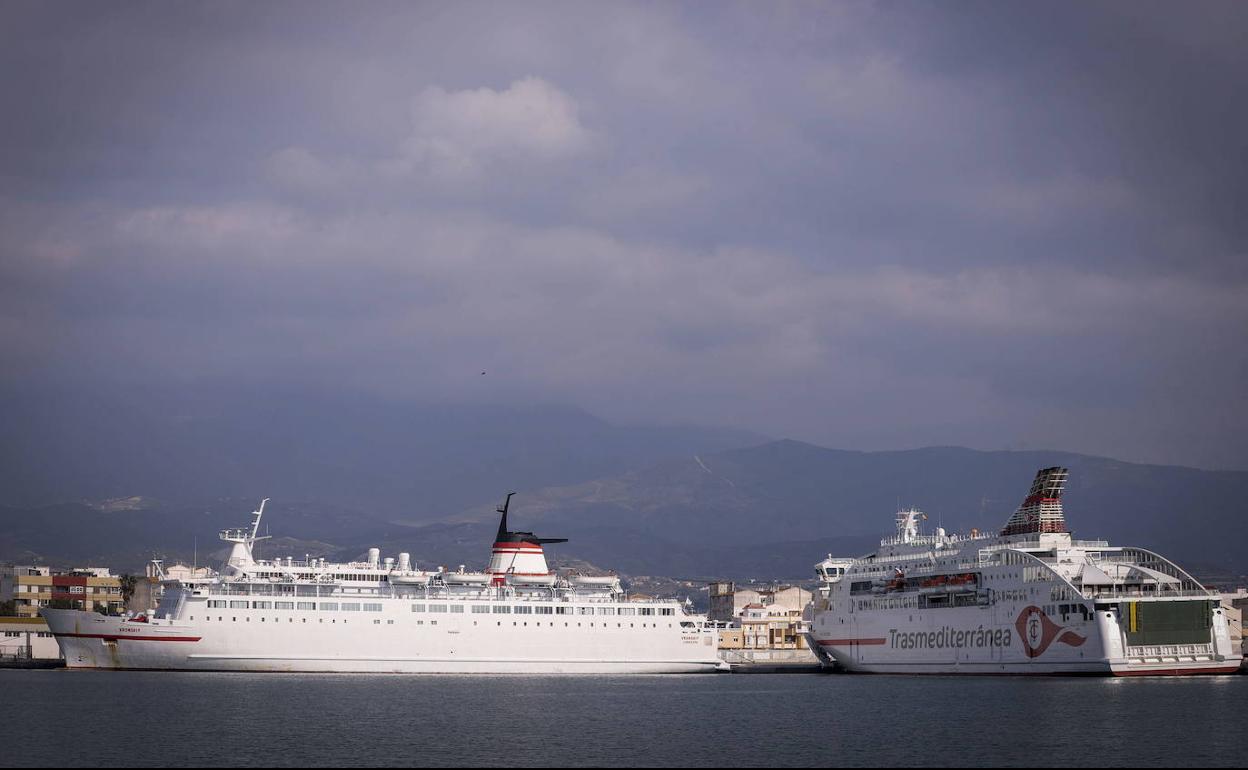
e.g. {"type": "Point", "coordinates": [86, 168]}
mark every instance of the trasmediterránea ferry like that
{"type": "Point", "coordinates": [518, 616]}
{"type": "Point", "coordinates": [1030, 600]}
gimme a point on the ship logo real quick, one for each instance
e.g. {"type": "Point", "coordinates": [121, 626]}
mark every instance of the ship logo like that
{"type": "Point", "coordinates": [1038, 632]}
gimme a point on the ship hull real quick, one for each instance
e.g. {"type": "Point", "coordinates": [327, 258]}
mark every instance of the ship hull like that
{"type": "Point", "coordinates": [983, 641]}
{"type": "Point", "coordinates": [292, 644]}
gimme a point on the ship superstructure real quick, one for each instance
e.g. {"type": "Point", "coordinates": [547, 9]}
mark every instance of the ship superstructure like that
{"type": "Point", "coordinates": [1029, 600]}
{"type": "Point", "coordinates": [516, 616]}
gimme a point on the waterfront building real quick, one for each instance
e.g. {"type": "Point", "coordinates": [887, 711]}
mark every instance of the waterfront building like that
{"type": "Point", "coordinates": [149, 590]}
{"type": "Point", "coordinates": [24, 638]}
{"type": "Point", "coordinates": [1233, 606]}
{"type": "Point", "coordinates": [32, 588]}
{"type": "Point", "coordinates": [759, 619]}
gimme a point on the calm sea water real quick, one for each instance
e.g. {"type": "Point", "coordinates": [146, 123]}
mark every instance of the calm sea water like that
{"type": "Point", "coordinates": [170, 719]}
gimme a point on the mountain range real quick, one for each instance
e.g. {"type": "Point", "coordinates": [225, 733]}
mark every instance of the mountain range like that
{"type": "Point", "coordinates": [116, 482]}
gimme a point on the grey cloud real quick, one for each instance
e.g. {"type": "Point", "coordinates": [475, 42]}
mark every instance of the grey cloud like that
{"type": "Point", "coordinates": [859, 225]}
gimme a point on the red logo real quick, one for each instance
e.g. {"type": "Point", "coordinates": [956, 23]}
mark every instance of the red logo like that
{"type": "Point", "coordinates": [1038, 632]}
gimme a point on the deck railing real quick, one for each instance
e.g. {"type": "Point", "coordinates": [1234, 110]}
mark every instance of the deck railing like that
{"type": "Point", "coordinates": [1168, 650]}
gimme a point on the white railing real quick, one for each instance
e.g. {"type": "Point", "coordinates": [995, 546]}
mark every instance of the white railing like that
{"type": "Point", "coordinates": [1092, 593]}
{"type": "Point", "coordinates": [1168, 650]}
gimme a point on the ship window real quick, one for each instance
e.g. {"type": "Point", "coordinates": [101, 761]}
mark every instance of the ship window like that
{"type": "Point", "coordinates": [606, 610]}
{"type": "Point", "coordinates": [563, 610]}
{"type": "Point", "coordinates": [329, 606]}
{"type": "Point", "coordinates": [480, 609]}
{"type": "Point", "coordinates": [437, 608]}
{"type": "Point", "coordinates": [645, 611]}
{"type": "Point", "coordinates": [238, 605]}
{"type": "Point", "coordinates": [628, 611]}
{"type": "Point", "coordinates": [262, 605]}
{"type": "Point", "coordinates": [541, 610]}
{"type": "Point", "coordinates": [502, 609]}
{"type": "Point", "coordinates": [306, 605]}
{"type": "Point", "coordinates": [283, 605]}
{"type": "Point", "coordinates": [584, 610]}
{"type": "Point", "coordinates": [372, 608]}
{"type": "Point", "coordinates": [522, 610]}
{"type": "Point", "coordinates": [418, 608]}
{"type": "Point", "coordinates": [215, 603]}
{"type": "Point", "coordinates": [350, 607]}
{"type": "Point", "coordinates": [457, 608]}
{"type": "Point", "coordinates": [666, 611]}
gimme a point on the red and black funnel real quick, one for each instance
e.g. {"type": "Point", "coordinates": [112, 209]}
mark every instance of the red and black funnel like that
{"type": "Point", "coordinates": [507, 536]}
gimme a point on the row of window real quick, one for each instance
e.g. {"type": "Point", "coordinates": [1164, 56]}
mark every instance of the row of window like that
{"type": "Point", "coordinates": [234, 619]}
{"type": "Point", "coordinates": [543, 609]}
{"type": "Point", "coordinates": [41, 589]}
{"type": "Point", "coordinates": [323, 606]}
{"type": "Point", "coordinates": [480, 609]}
{"type": "Point", "coordinates": [375, 578]}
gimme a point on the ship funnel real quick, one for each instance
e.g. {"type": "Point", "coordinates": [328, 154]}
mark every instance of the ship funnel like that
{"type": "Point", "coordinates": [374, 557]}
{"type": "Point", "coordinates": [518, 553]}
{"type": "Point", "coordinates": [405, 562]}
{"type": "Point", "coordinates": [1041, 510]}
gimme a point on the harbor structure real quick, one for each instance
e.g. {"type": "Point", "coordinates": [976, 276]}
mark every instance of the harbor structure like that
{"type": "Point", "coordinates": [32, 588]}
{"type": "Point", "coordinates": [27, 642]}
{"type": "Point", "coordinates": [767, 632]}
{"type": "Point", "coordinates": [1234, 604]}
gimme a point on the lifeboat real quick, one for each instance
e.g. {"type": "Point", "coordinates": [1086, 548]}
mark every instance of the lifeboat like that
{"type": "Point", "coordinates": [409, 580]}
{"type": "Point", "coordinates": [896, 583]}
{"type": "Point", "coordinates": [593, 580]}
{"type": "Point", "coordinates": [465, 578]}
{"type": "Point", "coordinates": [531, 580]}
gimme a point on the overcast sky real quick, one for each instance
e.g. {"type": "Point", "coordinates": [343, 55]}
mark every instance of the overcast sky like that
{"type": "Point", "coordinates": [869, 226]}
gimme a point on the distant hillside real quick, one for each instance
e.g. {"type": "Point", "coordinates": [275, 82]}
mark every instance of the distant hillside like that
{"type": "Point", "coordinates": [766, 511]}
{"type": "Point", "coordinates": [392, 459]}
{"type": "Point", "coordinates": [790, 492]}
{"type": "Point", "coordinates": [73, 534]}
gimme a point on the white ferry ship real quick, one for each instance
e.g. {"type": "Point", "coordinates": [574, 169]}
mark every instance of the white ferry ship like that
{"type": "Point", "coordinates": [518, 616]}
{"type": "Point", "coordinates": [1030, 600]}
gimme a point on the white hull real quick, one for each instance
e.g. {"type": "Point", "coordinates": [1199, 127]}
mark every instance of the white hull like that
{"type": "Point", "coordinates": [519, 617]}
{"type": "Point", "coordinates": [993, 640]}
{"type": "Point", "coordinates": [310, 643]}
{"type": "Point", "coordinates": [1031, 600]}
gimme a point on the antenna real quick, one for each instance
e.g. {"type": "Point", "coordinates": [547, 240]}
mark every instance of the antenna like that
{"type": "Point", "coordinates": [255, 525]}
{"type": "Point", "coordinates": [502, 508]}
{"type": "Point", "coordinates": [502, 524]}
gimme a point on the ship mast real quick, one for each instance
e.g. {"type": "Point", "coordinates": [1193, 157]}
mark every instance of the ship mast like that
{"type": "Point", "coordinates": [241, 555]}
